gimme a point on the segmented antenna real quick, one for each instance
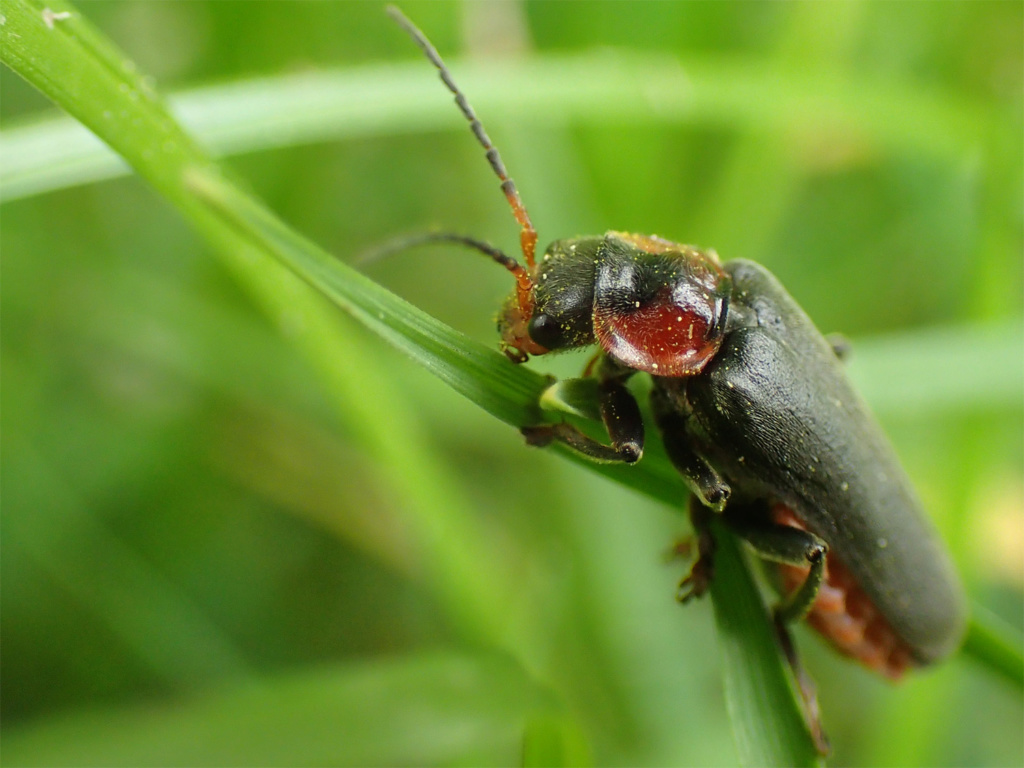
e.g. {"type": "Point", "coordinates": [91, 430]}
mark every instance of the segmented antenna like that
{"type": "Point", "coordinates": [527, 235]}
{"type": "Point", "coordinates": [400, 244]}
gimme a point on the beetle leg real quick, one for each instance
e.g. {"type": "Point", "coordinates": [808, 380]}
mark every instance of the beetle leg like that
{"type": "Point", "coordinates": [700, 476]}
{"type": "Point", "coordinates": [783, 544]}
{"type": "Point", "coordinates": [808, 691]}
{"type": "Point", "coordinates": [701, 572]}
{"type": "Point", "coordinates": [622, 419]}
{"type": "Point", "coordinates": [792, 546]}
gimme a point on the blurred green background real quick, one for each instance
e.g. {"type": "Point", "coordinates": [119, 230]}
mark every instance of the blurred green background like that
{"type": "Point", "coordinates": [205, 561]}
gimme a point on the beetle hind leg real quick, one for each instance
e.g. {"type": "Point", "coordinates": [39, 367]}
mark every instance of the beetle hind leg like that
{"type": "Point", "coordinates": [808, 691]}
{"type": "Point", "coordinates": [786, 545]}
{"type": "Point", "coordinates": [790, 546]}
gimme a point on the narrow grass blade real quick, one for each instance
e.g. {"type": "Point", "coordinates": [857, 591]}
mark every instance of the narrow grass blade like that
{"type": "Point", "coordinates": [59, 52]}
{"type": "Point", "coordinates": [769, 728]}
{"type": "Point", "coordinates": [481, 374]}
{"type": "Point", "coordinates": [285, 110]}
{"type": "Point", "coordinates": [438, 709]}
{"type": "Point", "coordinates": [995, 645]}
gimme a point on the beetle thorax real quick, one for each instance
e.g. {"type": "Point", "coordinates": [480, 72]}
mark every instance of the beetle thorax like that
{"type": "Point", "coordinates": [653, 305]}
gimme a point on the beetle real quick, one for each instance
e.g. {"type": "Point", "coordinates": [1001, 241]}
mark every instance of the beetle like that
{"type": "Point", "coordinates": [757, 415]}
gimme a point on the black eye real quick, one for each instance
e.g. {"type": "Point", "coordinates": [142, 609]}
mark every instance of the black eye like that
{"type": "Point", "coordinates": [546, 331]}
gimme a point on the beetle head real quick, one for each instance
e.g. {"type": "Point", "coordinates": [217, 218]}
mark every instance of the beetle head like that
{"type": "Point", "coordinates": [561, 301]}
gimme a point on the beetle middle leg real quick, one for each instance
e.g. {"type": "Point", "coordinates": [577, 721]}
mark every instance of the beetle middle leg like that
{"type": "Point", "coordinates": [703, 479]}
{"type": "Point", "coordinates": [710, 491]}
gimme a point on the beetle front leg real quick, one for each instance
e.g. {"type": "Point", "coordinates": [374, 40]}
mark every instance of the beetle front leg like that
{"type": "Point", "coordinates": [621, 416]}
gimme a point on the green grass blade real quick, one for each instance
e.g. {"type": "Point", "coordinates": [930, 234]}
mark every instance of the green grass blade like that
{"type": "Point", "coordinates": [769, 729]}
{"type": "Point", "coordinates": [909, 373]}
{"type": "Point", "coordinates": [481, 374]}
{"type": "Point", "coordinates": [285, 110]}
{"type": "Point", "coordinates": [995, 645]}
{"type": "Point", "coordinates": [438, 709]}
{"type": "Point", "coordinates": [108, 95]}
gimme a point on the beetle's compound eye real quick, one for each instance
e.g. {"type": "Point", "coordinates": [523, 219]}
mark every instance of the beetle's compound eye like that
{"type": "Point", "coordinates": [546, 331]}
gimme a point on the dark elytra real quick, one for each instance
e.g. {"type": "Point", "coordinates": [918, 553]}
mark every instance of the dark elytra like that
{"type": "Point", "coordinates": [777, 396]}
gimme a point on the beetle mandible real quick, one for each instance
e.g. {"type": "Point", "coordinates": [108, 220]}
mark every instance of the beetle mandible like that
{"type": "Point", "coordinates": [756, 413]}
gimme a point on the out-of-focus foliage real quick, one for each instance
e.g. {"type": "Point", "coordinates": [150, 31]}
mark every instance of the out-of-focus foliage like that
{"type": "Point", "coordinates": [187, 524]}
